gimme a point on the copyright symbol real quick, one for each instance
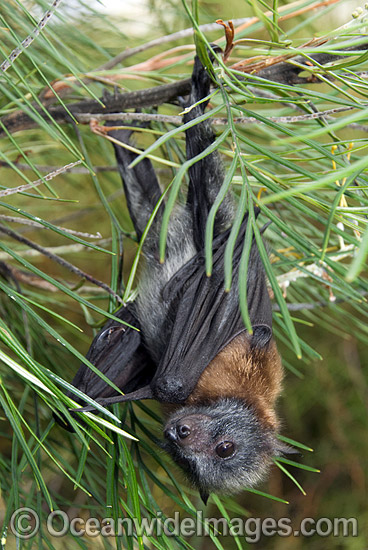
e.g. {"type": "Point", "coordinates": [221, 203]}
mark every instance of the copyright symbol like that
{"type": "Point", "coordinates": [24, 523]}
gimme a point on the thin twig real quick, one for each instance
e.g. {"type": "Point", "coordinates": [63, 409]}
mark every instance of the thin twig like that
{"type": "Point", "coordinates": [31, 37]}
{"type": "Point", "coordinates": [64, 249]}
{"type": "Point", "coordinates": [48, 177]}
{"type": "Point", "coordinates": [314, 305]}
{"type": "Point", "coordinates": [179, 35]}
{"type": "Point", "coordinates": [219, 121]}
{"type": "Point", "coordinates": [47, 168]}
{"type": "Point", "coordinates": [85, 118]}
{"type": "Point", "coordinates": [25, 221]}
{"type": "Point", "coordinates": [316, 268]}
{"type": "Point", "coordinates": [34, 280]}
{"type": "Point", "coordinates": [356, 126]}
{"type": "Point", "coordinates": [58, 260]}
{"type": "Point", "coordinates": [293, 13]}
{"type": "Point", "coordinates": [27, 278]}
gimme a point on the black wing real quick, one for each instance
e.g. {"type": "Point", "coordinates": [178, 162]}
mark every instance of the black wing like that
{"type": "Point", "coordinates": [208, 318]}
{"type": "Point", "coordinates": [118, 353]}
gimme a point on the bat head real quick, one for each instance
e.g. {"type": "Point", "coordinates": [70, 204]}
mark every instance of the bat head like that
{"type": "Point", "coordinates": [221, 446]}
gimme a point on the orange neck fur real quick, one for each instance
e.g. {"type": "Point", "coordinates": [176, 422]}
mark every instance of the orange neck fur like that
{"type": "Point", "coordinates": [253, 376]}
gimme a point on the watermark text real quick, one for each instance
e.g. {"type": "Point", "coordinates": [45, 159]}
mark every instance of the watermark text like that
{"type": "Point", "coordinates": [25, 524]}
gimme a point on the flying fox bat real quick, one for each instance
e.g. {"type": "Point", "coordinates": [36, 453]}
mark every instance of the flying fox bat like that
{"type": "Point", "coordinates": [192, 349]}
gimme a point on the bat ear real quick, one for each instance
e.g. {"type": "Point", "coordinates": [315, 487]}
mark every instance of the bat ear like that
{"type": "Point", "coordinates": [204, 495]}
{"type": "Point", "coordinates": [261, 336]}
{"type": "Point", "coordinates": [284, 449]}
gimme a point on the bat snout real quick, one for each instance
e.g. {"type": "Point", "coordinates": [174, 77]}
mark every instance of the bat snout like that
{"type": "Point", "coordinates": [175, 432]}
{"type": "Point", "coordinates": [183, 431]}
{"type": "Point", "coordinates": [170, 433]}
{"type": "Point", "coordinates": [187, 432]}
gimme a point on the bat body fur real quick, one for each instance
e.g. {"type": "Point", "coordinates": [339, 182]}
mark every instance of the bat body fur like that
{"type": "Point", "coordinates": [193, 353]}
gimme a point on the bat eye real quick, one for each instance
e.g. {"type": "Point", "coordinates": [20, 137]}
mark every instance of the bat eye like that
{"type": "Point", "coordinates": [183, 431]}
{"type": "Point", "coordinates": [225, 449]}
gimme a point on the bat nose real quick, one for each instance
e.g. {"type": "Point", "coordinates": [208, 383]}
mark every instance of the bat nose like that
{"type": "Point", "coordinates": [183, 430]}
{"type": "Point", "coordinates": [173, 432]}
{"type": "Point", "coordinates": [170, 433]}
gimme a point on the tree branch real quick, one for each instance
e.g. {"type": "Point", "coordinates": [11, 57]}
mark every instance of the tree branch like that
{"type": "Point", "coordinates": [283, 72]}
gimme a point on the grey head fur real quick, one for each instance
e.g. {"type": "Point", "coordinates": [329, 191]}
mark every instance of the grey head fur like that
{"type": "Point", "coordinates": [221, 446]}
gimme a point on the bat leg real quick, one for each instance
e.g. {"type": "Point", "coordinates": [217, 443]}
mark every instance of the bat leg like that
{"type": "Point", "coordinates": [206, 175]}
{"type": "Point", "coordinates": [142, 190]}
